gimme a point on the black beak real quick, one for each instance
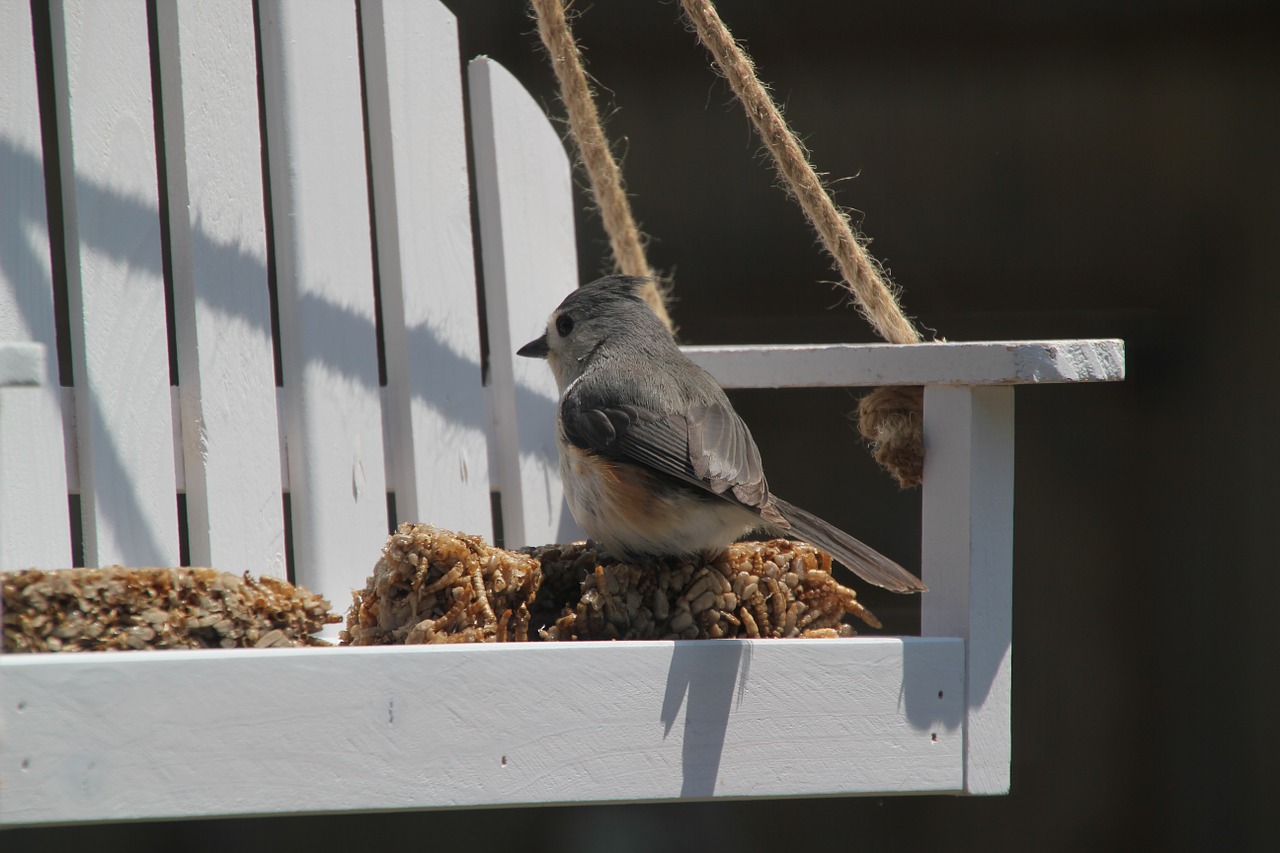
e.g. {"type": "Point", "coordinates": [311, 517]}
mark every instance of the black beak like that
{"type": "Point", "coordinates": [536, 348]}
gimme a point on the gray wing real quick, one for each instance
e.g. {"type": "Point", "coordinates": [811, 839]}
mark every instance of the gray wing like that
{"type": "Point", "coordinates": [707, 446]}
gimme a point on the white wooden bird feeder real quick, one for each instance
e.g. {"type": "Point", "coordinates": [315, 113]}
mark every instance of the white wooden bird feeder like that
{"type": "Point", "coordinates": [177, 734]}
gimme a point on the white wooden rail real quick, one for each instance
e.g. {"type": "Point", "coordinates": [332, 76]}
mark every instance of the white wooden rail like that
{"type": "Point", "coordinates": [368, 173]}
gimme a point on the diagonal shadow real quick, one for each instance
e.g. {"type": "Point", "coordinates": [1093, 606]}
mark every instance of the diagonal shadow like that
{"type": "Point", "coordinates": [719, 666]}
{"type": "Point", "coordinates": [249, 271]}
{"type": "Point", "coordinates": [28, 273]}
{"type": "Point", "coordinates": [109, 234]}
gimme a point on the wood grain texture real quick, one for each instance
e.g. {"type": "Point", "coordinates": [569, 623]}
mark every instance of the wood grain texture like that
{"type": "Point", "coordinates": [124, 429]}
{"type": "Point", "coordinates": [217, 228]}
{"type": "Point", "coordinates": [309, 730]}
{"type": "Point", "coordinates": [962, 363]}
{"type": "Point", "coordinates": [967, 560]}
{"type": "Point", "coordinates": [324, 272]}
{"type": "Point", "coordinates": [434, 412]}
{"type": "Point", "coordinates": [528, 251]}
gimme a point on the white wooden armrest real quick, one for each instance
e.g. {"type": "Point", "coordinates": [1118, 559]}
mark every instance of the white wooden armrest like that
{"type": "Point", "coordinates": [948, 363]}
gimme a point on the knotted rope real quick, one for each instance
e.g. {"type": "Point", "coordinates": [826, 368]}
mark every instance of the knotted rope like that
{"type": "Point", "coordinates": [892, 420]}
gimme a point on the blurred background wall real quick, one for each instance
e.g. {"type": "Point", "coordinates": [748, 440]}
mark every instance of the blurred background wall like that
{"type": "Point", "coordinates": [1039, 169]}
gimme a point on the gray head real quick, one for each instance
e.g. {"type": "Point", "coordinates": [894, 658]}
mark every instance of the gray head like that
{"type": "Point", "coordinates": [609, 309]}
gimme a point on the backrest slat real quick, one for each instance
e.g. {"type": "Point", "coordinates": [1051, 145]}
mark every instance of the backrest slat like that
{"type": "Point", "coordinates": [33, 482]}
{"type": "Point", "coordinates": [102, 78]}
{"type": "Point", "coordinates": [222, 317]}
{"type": "Point", "coordinates": [320, 214]}
{"type": "Point", "coordinates": [426, 270]}
{"type": "Point", "coordinates": [530, 263]}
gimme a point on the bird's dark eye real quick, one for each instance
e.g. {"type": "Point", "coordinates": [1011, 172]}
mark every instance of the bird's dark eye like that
{"type": "Point", "coordinates": [564, 325]}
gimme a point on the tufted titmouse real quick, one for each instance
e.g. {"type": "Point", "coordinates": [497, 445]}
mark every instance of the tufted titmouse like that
{"type": "Point", "coordinates": [654, 460]}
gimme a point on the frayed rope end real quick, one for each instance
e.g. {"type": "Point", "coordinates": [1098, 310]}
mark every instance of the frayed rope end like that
{"type": "Point", "coordinates": [892, 420]}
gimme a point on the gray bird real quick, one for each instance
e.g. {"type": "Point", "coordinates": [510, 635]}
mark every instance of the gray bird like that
{"type": "Point", "coordinates": [655, 461]}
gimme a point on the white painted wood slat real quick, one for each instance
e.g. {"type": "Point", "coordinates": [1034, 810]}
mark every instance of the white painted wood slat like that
{"type": "Point", "coordinates": [422, 208]}
{"type": "Point", "coordinates": [33, 485]}
{"type": "Point", "coordinates": [219, 260]}
{"type": "Point", "coordinates": [309, 730]}
{"type": "Point", "coordinates": [530, 264]}
{"type": "Point", "coordinates": [944, 363]}
{"type": "Point", "coordinates": [967, 558]}
{"type": "Point", "coordinates": [324, 270]}
{"type": "Point", "coordinates": [124, 430]}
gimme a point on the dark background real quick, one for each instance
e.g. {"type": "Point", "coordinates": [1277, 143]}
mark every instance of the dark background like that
{"type": "Point", "coordinates": [1051, 169]}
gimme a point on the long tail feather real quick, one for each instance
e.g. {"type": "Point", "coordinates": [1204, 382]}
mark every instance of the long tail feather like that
{"type": "Point", "coordinates": [863, 560]}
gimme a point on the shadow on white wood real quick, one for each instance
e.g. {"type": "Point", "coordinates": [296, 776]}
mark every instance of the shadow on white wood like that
{"type": "Point", "coordinates": [324, 274]}
{"type": "Point", "coordinates": [115, 290]}
{"type": "Point", "coordinates": [34, 523]}
{"type": "Point", "coordinates": [230, 427]}
{"type": "Point", "coordinates": [288, 732]}
{"type": "Point", "coordinates": [435, 409]}
{"type": "Point", "coordinates": [525, 201]}
{"type": "Point", "coordinates": [967, 557]}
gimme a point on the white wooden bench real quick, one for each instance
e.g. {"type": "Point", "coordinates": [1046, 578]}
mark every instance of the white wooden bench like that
{"type": "Point", "coordinates": [110, 736]}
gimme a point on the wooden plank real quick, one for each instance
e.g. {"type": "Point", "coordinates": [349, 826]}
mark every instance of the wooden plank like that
{"type": "Point", "coordinates": [967, 557]}
{"type": "Point", "coordinates": [324, 271]}
{"type": "Point", "coordinates": [229, 425]}
{"type": "Point", "coordinates": [310, 730]}
{"type": "Point", "coordinates": [435, 413]}
{"type": "Point", "coordinates": [34, 520]}
{"type": "Point", "coordinates": [124, 429]}
{"type": "Point", "coordinates": [525, 201]}
{"type": "Point", "coordinates": [947, 363]}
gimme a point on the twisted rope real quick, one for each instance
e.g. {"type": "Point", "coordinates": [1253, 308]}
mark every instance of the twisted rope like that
{"type": "Point", "coordinates": [863, 277]}
{"type": "Point", "coordinates": [594, 153]}
{"type": "Point", "coordinates": [891, 419]}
